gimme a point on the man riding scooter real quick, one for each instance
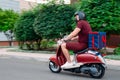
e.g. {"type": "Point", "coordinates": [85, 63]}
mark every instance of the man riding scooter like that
{"type": "Point", "coordinates": [87, 58]}
{"type": "Point", "coordinates": [81, 34]}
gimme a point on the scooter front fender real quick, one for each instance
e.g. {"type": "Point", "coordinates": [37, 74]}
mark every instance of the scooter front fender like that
{"type": "Point", "coordinates": [54, 59]}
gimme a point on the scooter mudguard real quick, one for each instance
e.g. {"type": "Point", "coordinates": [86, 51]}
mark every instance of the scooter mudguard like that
{"type": "Point", "coordinates": [54, 59]}
{"type": "Point", "coordinates": [58, 60]}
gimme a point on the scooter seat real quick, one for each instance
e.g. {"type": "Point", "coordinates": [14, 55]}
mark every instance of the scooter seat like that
{"type": "Point", "coordinates": [80, 51]}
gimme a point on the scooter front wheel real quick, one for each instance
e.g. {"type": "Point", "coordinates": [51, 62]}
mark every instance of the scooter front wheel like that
{"type": "Point", "coordinates": [100, 71]}
{"type": "Point", "coordinates": [54, 68]}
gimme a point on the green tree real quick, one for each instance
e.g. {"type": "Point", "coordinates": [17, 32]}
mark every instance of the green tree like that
{"type": "Point", "coordinates": [103, 15]}
{"type": "Point", "coordinates": [24, 30]}
{"type": "Point", "coordinates": [54, 20]}
{"type": "Point", "coordinates": [7, 21]}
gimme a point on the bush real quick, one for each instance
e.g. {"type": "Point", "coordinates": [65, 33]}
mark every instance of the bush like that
{"type": "Point", "coordinates": [47, 43]}
{"type": "Point", "coordinates": [24, 31]}
{"type": "Point", "coordinates": [51, 43]}
{"type": "Point", "coordinates": [44, 44]}
{"type": "Point", "coordinates": [54, 20]}
{"type": "Point", "coordinates": [117, 51]}
{"type": "Point", "coordinates": [24, 27]}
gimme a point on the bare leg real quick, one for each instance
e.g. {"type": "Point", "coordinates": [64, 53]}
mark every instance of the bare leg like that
{"type": "Point", "coordinates": [69, 63]}
{"type": "Point", "coordinates": [66, 52]}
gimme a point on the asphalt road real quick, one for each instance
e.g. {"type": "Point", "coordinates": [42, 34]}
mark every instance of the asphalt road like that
{"type": "Point", "coordinates": [30, 69]}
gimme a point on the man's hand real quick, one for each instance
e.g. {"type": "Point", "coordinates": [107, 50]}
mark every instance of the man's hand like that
{"type": "Point", "coordinates": [59, 42]}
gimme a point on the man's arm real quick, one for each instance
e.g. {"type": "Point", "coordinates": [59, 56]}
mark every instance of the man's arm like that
{"type": "Point", "coordinates": [74, 38]}
{"type": "Point", "coordinates": [73, 34]}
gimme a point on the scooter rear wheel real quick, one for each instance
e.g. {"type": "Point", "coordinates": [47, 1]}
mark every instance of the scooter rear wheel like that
{"type": "Point", "coordinates": [54, 68]}
{"type": "Point", "coordinates": [100, 71]}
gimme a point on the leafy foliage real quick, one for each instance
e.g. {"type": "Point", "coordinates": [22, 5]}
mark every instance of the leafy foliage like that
{"type": "Point", "coordinates": [7, 19]}
{"type": "Point", "coordinates": [117, 51]}
{"type": "Point", "coordinates": [24, 27]}
{"type": "Point", "coordinates": [24, 31]}
{"type": "Point", "coordinates": [103, 15]}
{"type": "Point", "coordinates": [50, 21]}
{"type": "Point", "coordinates": [54, 20]}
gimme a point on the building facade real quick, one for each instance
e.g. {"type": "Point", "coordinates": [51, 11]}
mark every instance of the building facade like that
{"type": "Point", "coordinates": [10, 4]}
{"type": "Point", "coordinates": [20, 5]}
{"type": "Point", "coordinates": [46, 1]}
{"type": "Point", "coordinates": [17, 5]}
{"type": "Point", "coordinates": [26, 4]}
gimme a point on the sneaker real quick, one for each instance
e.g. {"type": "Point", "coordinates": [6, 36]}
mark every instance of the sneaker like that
{"type": "Point", "coordinates": [66, 65]}
{"type": "Point", "coordinates": [78, 64]}
{"type": "Point", "coordinates": [70, 65]}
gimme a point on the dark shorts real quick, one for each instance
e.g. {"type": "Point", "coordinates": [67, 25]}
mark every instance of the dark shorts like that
{"type": "Point", "coordinates": [75, 46]}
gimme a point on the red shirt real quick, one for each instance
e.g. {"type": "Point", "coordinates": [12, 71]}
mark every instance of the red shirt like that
{"type": "Point", "coordinates": [85, 29]}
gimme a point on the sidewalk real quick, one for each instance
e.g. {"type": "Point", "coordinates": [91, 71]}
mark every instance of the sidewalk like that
{"type": "Point", "coordinates": [37, 56]}
{"type": "Point", "coordinates": [111, 64]}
